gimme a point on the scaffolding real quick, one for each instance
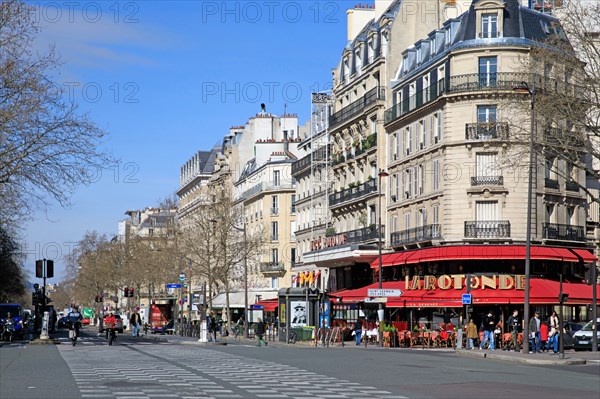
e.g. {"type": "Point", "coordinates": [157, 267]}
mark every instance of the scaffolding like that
{"type": "Point", "coordinates": [320, 148]}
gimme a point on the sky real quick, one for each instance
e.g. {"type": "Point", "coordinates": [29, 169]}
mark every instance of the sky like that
{"type": "Point", "coordinates": [166, 79]}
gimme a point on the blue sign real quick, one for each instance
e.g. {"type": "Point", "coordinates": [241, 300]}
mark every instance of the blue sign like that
{"type": "Point", "coordinates": [467, 299]}
{"type": "Point", "coordinates": [257, 307]}
{"type": "Point", "coordinates": [173, 285]}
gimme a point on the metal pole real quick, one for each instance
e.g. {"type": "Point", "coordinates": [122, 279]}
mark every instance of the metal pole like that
{"type": "Point", "coordinates": [528, 227]}
{"type": "Point", "coordinates": [245, 282]}
{"type": "Point", "coordinates": [594, 308]}
{"type": "Point", "coordinates": [561, 342]}
{"type": "Point", "coordinates": [380, 282]}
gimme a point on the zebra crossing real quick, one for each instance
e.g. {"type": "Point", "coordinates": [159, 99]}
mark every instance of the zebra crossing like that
{"type": "Point", "coordinates": [146, 370]}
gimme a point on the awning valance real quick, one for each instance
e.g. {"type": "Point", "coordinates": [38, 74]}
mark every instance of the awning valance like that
{"type": "Point", "coordinates": [269, 305]}
{"type": "Point", "coordinates": [542, 292]}
{"type": "Point", "coordinates": [475, 252]}
{"type": "Point", "coordinates": [586, 255]}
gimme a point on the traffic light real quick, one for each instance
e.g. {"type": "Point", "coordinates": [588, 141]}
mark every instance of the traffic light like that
{"type": "Point", "coordinates": [131, 292]}
{"type": "Point", "coordinates": [49, 268]}
{"type": "Point", "coordinates": [39, 268]}
{"type": "Point", "coordinates": [34, 298]}
{"type": "Point", "coordinates": [126, 292]}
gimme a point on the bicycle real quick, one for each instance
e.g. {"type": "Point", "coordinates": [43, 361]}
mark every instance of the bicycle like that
{"type": "Point", "coordinates": [73, 332]}
{"type": "Point", "coordinates": [292, 337]}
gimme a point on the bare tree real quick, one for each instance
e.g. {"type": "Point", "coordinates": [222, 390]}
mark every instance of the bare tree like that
{"type": "Point", "coordinates": [46, 148]}
{"type": "Point", "coordinates": [12, 283]}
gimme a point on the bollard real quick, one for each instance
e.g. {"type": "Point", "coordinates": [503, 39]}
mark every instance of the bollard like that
{"type": "Point", "coordinates": [203, 332]}
{"type": "Point", "coordinates": [459, 336]}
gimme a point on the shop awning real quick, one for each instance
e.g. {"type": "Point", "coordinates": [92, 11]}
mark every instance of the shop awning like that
{"type": "Point", "coordinates": [269, 305]}
{"type": "Point", "coordinates": [542, 291]}
{"type": "Point", "coordinates": [473, 252]}
{"type": "Point", "coordinates": [586, 255]}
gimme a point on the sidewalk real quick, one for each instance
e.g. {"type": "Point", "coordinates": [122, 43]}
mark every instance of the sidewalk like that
{"type": "Point", "coordinates": [571, 358]}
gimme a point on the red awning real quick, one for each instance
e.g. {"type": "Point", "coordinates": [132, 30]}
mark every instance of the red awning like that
{"type": "Point", "coordinates": [542, 292]}
{"type": "Point", "coordinates": [472, 252]}
{"type": "Point", "coordinates": [268, 305]}
{"type": "Point", "coordinates": [586, 255]}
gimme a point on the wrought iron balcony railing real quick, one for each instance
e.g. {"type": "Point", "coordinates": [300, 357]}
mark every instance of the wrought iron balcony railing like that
{"type": "Point", "coordinates": [417, 234]}
{"type": "Point", "coordinates": [551, 183]}
{"type": "Point", "coordinates": [565, 232]}
{"type": "Point", "coordinates": [357, 107]}
{"type": "Point", "coordinates": [353, 193]}
{"type": "Point", "coordinates": [487, 181]}
{"type": "Point", "coordinates": [487, 229]}
{"type": "Point", "coordinates": [572, 186]}
{"type": "Point", "coordinates": [272, 267]}
{"type": "Point", "coordinates": [486, 131]}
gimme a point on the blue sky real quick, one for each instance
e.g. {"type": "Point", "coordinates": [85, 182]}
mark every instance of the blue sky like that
{"type": "Point", "coordinates": [168, 78]}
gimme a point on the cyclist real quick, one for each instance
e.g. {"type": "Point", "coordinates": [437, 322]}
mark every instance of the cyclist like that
{"type": "Point", "coordinates": [109, 322]}
{"type": "Point", "coordinates": [75, 319]}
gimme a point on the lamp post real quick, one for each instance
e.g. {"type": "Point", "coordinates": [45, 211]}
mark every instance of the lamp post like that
{"type": "Point", "coordinates": [243, 230]}
{"type": "Point", "coordinates": [382, 173]}
{"type": "Point", "coordinates": [530, 175]}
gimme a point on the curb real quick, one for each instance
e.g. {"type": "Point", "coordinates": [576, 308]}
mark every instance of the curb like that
{"type": "Point", "coordinates": [532, 361]}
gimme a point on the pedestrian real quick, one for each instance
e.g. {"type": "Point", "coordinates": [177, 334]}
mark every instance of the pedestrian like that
{"type": "Point", "coordinates": [514, 324]}
{"type": "Point", "coordinates": [260, 331]}
{"type": "Point", "coordinates": [135, 321]}
{"type": "Point", "coordinates": [489, 325]}
{"type": "Point", "coordinates": [554, 334]}
{"type": "Point", "coordinates": [544, 330]}
{"type": "Point", "coordinates": [534, 332]}
{"type": "Point", "coordinates": [472, 334]}
{"type": "Point", "coordinates": [211, 324]}
{"type": "Point", "coordinates": [357, 331]}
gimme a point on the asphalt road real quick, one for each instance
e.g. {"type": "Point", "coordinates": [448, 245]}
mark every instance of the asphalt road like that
{"type": "Point", "coordinates": [138, 368]}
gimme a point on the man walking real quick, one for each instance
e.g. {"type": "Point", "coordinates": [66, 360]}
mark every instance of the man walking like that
{"type": "Point", "coordinates": [489, 324]}
{"type": "Point", "coordinates": [514, 323]}
{"type": "Point", "coordinates": [135, 321]}
{"type": "Point", "coordinates": [534, 332]}
{"type": "Point", "coordinates": [260, 331]}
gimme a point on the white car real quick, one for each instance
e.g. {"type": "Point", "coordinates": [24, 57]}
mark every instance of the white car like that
{"type": "Point", "coordinates": [582, 339]}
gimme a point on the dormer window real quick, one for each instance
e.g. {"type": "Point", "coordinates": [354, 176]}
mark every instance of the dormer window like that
{"type": "Point", "coordinates": [433, 45]}
{"type": "Point", "coordinates": [370, 51]}
{"type": "Point", "coordinates": [489, 15]}
{"type": "Point", "coordinates": [419, 55]}
{"type": "Point", "coordinates": [489, 25]}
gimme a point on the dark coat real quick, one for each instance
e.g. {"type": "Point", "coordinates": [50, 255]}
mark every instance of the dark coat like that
{"type": "Point", "coordinates": [260, 329]}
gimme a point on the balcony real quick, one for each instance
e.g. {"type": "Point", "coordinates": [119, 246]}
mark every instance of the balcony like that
{"type": "Point", "coordinates": [487, 181]}
{"type": "Point", "coordinates": [357, 107]}
{"type": "Point", "coordinates": [572, 186]}
{"type": "Point", "coordinates": [487, 229]}
{"type": "Point", "coordinates": [361, 235]}
{"type": "Point", "coordinates": [415, 101]}
{"type": "Point", "coordinates": [563, 232]}
{"type": "Point", "coordinates": [418, 234]}
{"type": "Point", "coordinates": [353, 193]}
{"type": "Point", "coordinates": [551, 183]}
{"type": "Point", "coordinates": [272, 268]}
{"type": "Point", "coordinates": [487, 81]}
{"type": "Point", "coordinates": [486, 131]}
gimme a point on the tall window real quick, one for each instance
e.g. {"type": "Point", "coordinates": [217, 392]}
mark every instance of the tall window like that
{"type": "Point", "coordinates": [370, 51]}
{"type": "Point", "coordinates": [571, 215]}
{"type": "Point", "coordinates": [487, 166]}
{"type": "Point", "coordinates": [274, 255]}
{"type": "Point", "coordinates": [276, 178]}
{"type": "Point", "coordinates": [436, 174]}
{"type": "Point", "coordinates": [486, 211]}
{"type": "Point", "coordinates": [274, 231]}
{"type": "Point", "coordinates": [274, 205]}
{"type": "Point", "coordinates": [489, 25]}
{"type": "Point", "coordinates": [406, 221]}
{"type": "Point", "coordinates": [488, 70]}
{"type": "Point", "coordinates": [293, 209]}
{"type": "Point", "coordinates": [550, 214]}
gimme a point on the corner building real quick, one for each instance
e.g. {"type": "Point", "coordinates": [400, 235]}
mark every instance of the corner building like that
{"type": "Point", "coordinates": [456, 204]}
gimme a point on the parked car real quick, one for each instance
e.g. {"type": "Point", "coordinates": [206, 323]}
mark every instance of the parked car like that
{"type": "Point", "coordinates": [582, 339]}
{"type": "Point", "coordinates": [63, 322]}
{"type": "Point", "coordinates": [570, 328]}
{"type": "Point", "coordinates": [118, 326]}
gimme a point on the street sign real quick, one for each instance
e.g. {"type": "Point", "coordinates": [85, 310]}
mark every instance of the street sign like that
{"type": "Point", "coordinates": [384, 292]}
{"type": "Point", "coordinates": [376, 300]}
{"type": "Point", "coordinates": [182, 277]}
{"type": "Point", "coordinates": [173, 285]}
{"type": "Point", "coordinates": [467, 299]}
{"type": "Point", "coordinates": [257, 307]}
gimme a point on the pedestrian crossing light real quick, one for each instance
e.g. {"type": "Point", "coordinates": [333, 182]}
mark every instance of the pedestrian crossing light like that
{"type": "Point", "coordinates": [126, 292]}
{"type": "Point", "coordinates": [131, 292]}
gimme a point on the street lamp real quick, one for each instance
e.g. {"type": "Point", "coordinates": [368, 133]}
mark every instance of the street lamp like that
{"type": "Point", "coordinates": [382, 173]}
{"type": "Point", "coordinates": [531, 91]}
{"type": "Point", "coordinates": [243, 230]}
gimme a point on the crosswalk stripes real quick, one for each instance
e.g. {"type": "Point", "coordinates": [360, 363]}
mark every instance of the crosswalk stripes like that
{"type": "Point", "coordinates": [170, 371]}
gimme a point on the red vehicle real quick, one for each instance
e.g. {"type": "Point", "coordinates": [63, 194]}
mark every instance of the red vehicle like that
{"type": "Point", "coordinates": [85, 321]}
